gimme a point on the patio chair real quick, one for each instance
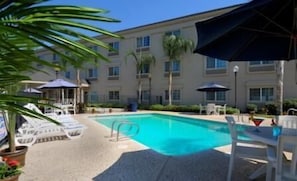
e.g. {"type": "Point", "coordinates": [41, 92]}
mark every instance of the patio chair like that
{"type": "Point", "coordinates": [222, 109]}
{"type": "Point", "coordinates": [211, 109]}
{"type": "Point", "coordinates": [284, 169]}
{"type": "Point", "coordinates": [292, 111]}
{"type": "Point", "coordinates": [202, 109]}
{"type": "Point", "coordinates": [287, 122]}
{"type": "Point", "coordinates": [246, 149]}
{"type": "Point", "coordinates": [275, 155]}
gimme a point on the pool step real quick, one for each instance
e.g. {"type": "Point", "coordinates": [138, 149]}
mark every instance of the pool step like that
{"type": "Point", "coordinates": [119, 124]}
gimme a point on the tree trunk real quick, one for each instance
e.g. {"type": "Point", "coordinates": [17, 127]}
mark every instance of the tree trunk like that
{"type": "Point", "coordinates": [139, 88]}
{"type": "Point", "coordinates": [78, 96]}
{"type": "Point", "coordinates": [11, 119]}
{"type": "Point", "coordinates": [279, 87]}
{"type": "Point", "coordinates": [170, 86]}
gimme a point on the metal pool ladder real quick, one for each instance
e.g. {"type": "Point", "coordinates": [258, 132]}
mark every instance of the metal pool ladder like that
{"type": "Point", "coordinates": [120, 124]}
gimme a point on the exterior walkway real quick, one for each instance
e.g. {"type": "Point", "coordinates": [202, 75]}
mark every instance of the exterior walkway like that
{"type": "Point", "coordinates": [96, 157]}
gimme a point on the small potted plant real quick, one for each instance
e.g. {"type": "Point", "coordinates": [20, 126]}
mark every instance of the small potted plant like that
{"type": "Point", "coordinates": [9, 170]}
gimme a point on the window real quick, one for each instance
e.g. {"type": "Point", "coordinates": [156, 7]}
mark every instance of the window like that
{"type": "Point", "coordinates": [68, 74]}
{"type": "Point", "coordinates": [175, 32]}
{"type": "Point", "coordinates": [56, 57]}
{"type": "Point", "coordinates": [113, 95]}
{"type": "Point", "coordinates": [113, 71]}
{"type": "Point", "coordinates": [143, 41]}
{"type": "Point", "coordinates": [92, 73]}
{"type": "Point", "coordinates": [214, 63]}
{"type": "Point", "coordinates": [216, 96]}
{"type": "Point", "coordinates": [261, 94]}
{"type": "Point", "coordinates": [93, 97]}
{"type": "Point", "coordinates": [115, 46]}
{"type": "Point", "coordinates": [145, 94]}
{"type": "Point", "coordinates": [145, 69]}
{"type": "Point", "coordinates": [175, 95]}
{"type": "Point", "coordinates": [175, 66]}
{"type": "Point", "coordinates": [261, 63]}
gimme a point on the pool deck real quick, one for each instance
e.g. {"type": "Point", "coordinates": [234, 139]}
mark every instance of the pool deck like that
{"type": "Point", "coordinates": [97, 157]}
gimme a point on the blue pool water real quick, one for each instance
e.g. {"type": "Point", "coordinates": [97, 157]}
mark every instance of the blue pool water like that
{"type": "Point", "coordinates": [173, 135]}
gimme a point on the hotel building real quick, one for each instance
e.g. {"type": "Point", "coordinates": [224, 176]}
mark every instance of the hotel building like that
{"type": "Point", "coordinates": [117, 81]}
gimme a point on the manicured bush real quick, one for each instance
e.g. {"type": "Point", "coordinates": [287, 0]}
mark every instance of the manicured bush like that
{"type": "Point", "coordinates": [231, 110]}
{"type": "Point", "coordinates": [289, 103]}
{"type": "Point", "coordinates": [157, 107]}
{"type": "Point", "coordinates": [271, 109]}
{"type": "Point", "coordinates": [251, 107]}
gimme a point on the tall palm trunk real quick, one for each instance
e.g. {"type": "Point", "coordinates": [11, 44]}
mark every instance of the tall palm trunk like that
{"type": "Point", "coordinates": [139, 87]}
{"type": "Point", "coordinates": [170, 85]}
{"type": "Point", "coordinates": [78, 93]}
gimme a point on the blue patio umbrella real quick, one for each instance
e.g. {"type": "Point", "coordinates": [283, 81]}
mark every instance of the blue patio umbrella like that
{"type": "Point", "coordinates": [212, 87]}
{"type": "Point", "coordinates": [58, 84]}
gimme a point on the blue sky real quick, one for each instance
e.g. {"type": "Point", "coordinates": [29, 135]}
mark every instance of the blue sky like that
{"type": "Point", "coordinates": [133, 13]}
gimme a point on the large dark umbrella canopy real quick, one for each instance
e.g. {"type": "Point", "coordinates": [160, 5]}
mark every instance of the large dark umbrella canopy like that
{"type": "Point", "coordinates": [212, 87]}
{"type": "Point", "coordinates": [58, 83]}
{"type": "Point", "coordinates": [258, 30]}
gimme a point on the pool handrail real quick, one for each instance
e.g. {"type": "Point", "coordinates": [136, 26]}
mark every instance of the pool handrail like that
{"type": "Point", "coordinates": [125, 123]}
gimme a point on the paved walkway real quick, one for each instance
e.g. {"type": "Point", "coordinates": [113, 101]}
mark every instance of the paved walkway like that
{"type": "Point", "coordinates": [96, 157]}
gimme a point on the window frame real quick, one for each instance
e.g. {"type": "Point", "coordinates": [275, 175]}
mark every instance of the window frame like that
{"type": "Point", "coordinates": [175, 95]}
{"type": "Point", "coordinates": [113, 71]}
{"type": "Point", "coordinates": [261, 89]}
{"type": "Point", "coordinates": [113, 95]}
{"type": "Point", "coordinates": [143, 41]}
{"type": "Point", "coordinates": [216, 64]}
{"type": "Point", "coordinates": [174, 62]}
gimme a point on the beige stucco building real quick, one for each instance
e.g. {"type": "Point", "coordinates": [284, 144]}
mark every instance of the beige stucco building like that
{"type": "Point", "coordinates": [116, 81]}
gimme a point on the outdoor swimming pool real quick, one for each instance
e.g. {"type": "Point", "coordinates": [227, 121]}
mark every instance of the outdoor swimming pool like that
{"type": "Point", "coordinates": [172, 135]}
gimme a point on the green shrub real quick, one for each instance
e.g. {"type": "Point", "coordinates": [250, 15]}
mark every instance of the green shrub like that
{"type": "Point", "coordinates": [251, 107]}
{"type": "Point", "coordinates": [231, 110]}
{"type": "Point", "coordinates": [157, 107]}
{"type": "Point", "coordinates": [194, 108]}
{"type": "Point", "coordinates": [271, 109]}
{"type": "Point", "coordinates": [289, 103]}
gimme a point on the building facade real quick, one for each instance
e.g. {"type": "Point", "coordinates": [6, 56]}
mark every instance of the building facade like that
{"type": "Point", "coordinates": [116, 81]}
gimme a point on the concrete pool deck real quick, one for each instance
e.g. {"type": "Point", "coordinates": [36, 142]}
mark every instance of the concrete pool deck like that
{"type": "Point", "coordinates": [97, 157]}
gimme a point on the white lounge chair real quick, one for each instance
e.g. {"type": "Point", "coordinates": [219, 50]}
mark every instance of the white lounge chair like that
{"type": "Point", "coordinates": [62, 118]}
{"type": "Point", "coordinates": [35, 129]}
{"type": "Point", "coordinates": [247, 149]}
{"type": "Point", "coordinates": [42, 128]}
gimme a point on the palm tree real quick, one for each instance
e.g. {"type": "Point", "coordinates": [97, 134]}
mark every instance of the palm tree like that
{"type": "Point", "coordinates": [27, 25]}
{"type": "Point", "coordinates": [141, 60]}
{"type": "Point", "coordinates": [174, 47]}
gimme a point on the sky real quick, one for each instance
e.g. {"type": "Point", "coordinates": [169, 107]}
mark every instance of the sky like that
{"type": "Point", "coordinates": [133, 13]}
